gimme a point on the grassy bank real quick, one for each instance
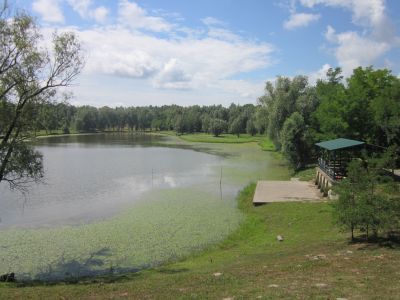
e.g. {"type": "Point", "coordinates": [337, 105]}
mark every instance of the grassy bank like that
{"type": "Point", "coordinates": [263, 141]}
{"type": "Point", "coordinates": [223, 138]}
{"type": "Point", "coordinates": [307, 174]}
{"type": "Point", "coordinates": [314, 261]}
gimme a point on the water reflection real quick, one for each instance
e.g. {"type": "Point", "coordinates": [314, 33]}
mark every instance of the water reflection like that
{"type": "Point", "coordinates": [90, 177]}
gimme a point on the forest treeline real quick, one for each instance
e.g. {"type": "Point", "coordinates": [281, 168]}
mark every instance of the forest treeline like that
{"type": "Point", "coordinates": [214, 119]}
{"type": "Point", "coordinates": [294, 114]}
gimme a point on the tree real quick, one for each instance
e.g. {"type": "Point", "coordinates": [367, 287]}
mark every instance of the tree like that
{"type": "Point", "coordinates": [218, 126]}
{"type": "Point", "coordinates": [330, 115]}
{"type": "Point", "coordinates": [364, 202]}
{"type": "Point", "coordinates": [367, 109]}
{"type": "Point", "coordinates": [261, 119]}
{"type": "Point", "coordinates": [294, 141]}
{"type": "Point", "coordinates": [385, 108]}
{"type": "Point", "coordinates": [280, 101]}
{"type": "Point", "coordinates": [179, 125]}
{"type": "Point", "coordinates": [250, 127]}
{"type": "Point", "coordinates": [236, 126]}
{"type": "Point", "coordinates": [348, 207]}
{"type": "Point", "coordinates": [86, 119]}
{"type": "Point", "coordinates": [29, 75]}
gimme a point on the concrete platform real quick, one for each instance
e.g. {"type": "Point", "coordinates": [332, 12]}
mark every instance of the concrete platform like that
{"type": "Point", "coordinates": [285, 191]}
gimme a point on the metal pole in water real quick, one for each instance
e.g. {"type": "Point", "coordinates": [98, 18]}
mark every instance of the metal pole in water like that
{"type": "Point", "coordinates": [220, 184]}
{"type": "Point", "coordinates": [152, 177]}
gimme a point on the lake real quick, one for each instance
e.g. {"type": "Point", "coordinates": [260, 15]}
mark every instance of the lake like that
{"type": "Point", "coordinates": [122, 202]}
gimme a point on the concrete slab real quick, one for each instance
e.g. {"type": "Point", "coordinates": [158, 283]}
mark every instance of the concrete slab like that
{"type": "Point", "coordinates": [284, 191]}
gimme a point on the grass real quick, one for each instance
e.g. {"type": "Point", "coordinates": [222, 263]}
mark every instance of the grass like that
{"type": "Point", "coordinates": [314, 261]}
{"type": "Point", "coordinates": [54, 132]}
{"type": "Point", "coordinates": [306, 174]}
{"type": "Point", "coordinates": [265, 143]}
{"type": "Point", "coordinates": [223, 138]}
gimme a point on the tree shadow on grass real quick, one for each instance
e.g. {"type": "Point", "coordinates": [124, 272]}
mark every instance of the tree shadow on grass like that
{"type": "Point", "coordinates": [93, 269]}
{"type": "Point", "coordinates": [391, 242]}
{"type": "Point", "coordinates": [172, 271]}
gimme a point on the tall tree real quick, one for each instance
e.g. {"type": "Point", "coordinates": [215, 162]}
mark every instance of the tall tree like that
{"type": "Point", "coordinates": [29, 75]}
{"type": "Point", "coordinates": [280, 100]}
{"type": "Point", "coordinates": [294, 141]}
{"type": "Point", "coordinates": [330, 115]}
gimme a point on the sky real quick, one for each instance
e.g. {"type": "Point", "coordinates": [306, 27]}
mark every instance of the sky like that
{"type": "Point", "coordinates": [156, 52]}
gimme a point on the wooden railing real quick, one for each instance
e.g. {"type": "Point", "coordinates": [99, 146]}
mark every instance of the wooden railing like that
{"type": "Point", "coordinates": [333, 169]}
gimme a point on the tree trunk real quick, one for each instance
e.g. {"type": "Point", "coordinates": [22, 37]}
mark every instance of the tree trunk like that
{"type": "Point", "coordinates": [352, 233]}
{"type": "Point", "coordinates": [6, 159]}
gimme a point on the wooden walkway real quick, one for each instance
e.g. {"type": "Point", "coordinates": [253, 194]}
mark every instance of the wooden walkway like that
{"type": "Point", "coordinates": [285, 191]}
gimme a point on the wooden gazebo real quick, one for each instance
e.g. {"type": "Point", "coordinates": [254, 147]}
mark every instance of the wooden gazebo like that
{"type": "Point", "coordinates": [334, 156]}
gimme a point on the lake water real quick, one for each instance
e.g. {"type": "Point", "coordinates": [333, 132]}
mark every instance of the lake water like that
{"type": "Point", "coordinates": [122, 202]}
{"type": "Point", "coordinates": [90, 177]}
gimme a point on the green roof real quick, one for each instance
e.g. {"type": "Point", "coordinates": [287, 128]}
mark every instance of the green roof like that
{"type": "Point", "coordinates": [338, 144]}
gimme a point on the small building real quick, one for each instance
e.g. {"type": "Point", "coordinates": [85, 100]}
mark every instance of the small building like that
{"type": "Point", "coordinates": [333, 158]}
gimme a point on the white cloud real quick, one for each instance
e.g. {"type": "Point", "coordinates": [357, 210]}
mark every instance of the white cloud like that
{"type": "Point", "coordinates": [210, 21]}
{"type": "Point", "coordinates": [300, 20]}
{"type": "Point", "coordinates": [369, 14]}
{"type": "Point", "coordinates": [84, 9]}
{"type": "Point", "coordinates": [313, 77]}
{"type": "Point", "coordinates": [129, 60]}
{"type": "Point", "coordinates": [202, 65]}
{"type": "Point", "coordinates": [185, 62]}
{"type": "Point", "coordinates": [249, 90]}
{"type": "Point", "coordinates": [100, 14]}
{"type": "Point", "coordinates": [49, 10]}
{"type": "Point", "coordinates": [354, 50]}
{"type": "Point", "coordinates": [365, 12]}
{"type": "Point", "coordinates": [330, 34]}
{"type": "Point", "coordinates": [223, 34]}
{"type": "Point", "coordinates": [172, 76]}
{"type": "Point", "coordinates": [80, 6]}
{"type": "Point", "coordinates": [135, 17]}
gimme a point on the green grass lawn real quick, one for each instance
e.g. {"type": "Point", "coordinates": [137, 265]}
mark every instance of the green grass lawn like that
{"type": "Point", "coordinates": [54, 132]}
{"type": "Point", "coordinates": [315, 261]}
{"type": "Point", "coordinates": [223, 138]}
{"type": "Point", "coordinates": [266, 144]}
{"type": "Point", "coordinates": [262, 140]}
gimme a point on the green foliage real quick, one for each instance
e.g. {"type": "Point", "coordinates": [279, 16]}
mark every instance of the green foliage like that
{"type": "Point", "coordinates": [86, 119]}
{"type": "Point", "coordinates": [367, 109]}
{"type": "Point", "coordinates": [267, 145]}
{"type": "Point", "coordinates": [236, 126]}
{"type": "Point", "coordinates": [250, 127]}
{"type": "Point", "coordinates": [30, 76]}
{"type": "Point", "coordinates": [183, 120]}
{"type": "Point", "coordinates": [218, 126]}
{"type": "Point", "coordinates": [330, 114]}
{"type": "Point", "coordinates": [363, 203]}
{"type": "Point", "coordinates": [280, 101]}
{"type": "Point", "coordinates": [295, 146]}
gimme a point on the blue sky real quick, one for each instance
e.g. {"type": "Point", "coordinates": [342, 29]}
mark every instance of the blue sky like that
{"type": "Point", "coordinates": [154, 52]}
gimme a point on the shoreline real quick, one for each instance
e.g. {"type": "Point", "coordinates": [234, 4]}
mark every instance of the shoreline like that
{"type": "Point", "coordinates": [248, 150]}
